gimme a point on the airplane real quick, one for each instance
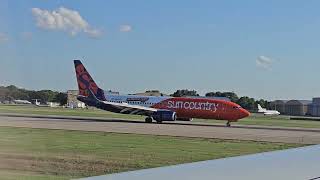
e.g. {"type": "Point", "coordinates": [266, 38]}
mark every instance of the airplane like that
{"type": "Point", "coordinates": [18, 101]}
{"type": "Point", "coordinates": [36, 102]}
{"type": "Point", "coordinates": [162, 108]}
{"type": "Point", "coordinates": [267, 112]}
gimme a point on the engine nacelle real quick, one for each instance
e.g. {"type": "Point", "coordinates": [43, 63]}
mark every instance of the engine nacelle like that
{"type": "Point", "coordinates": [164, 115]}
{"type": "Point", "coordinates": [87, 101]}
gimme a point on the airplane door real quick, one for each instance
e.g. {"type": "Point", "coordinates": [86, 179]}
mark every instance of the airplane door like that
{"type": "Point", "coordinates": [222, 110]}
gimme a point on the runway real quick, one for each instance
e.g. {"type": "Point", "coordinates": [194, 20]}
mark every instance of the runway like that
{"type": "Point", "coordinates": [184, 129]}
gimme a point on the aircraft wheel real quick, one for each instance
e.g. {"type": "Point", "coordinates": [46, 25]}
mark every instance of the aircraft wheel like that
{"type": "Point", "coordinates": [228, 124]}
{"type": "Point", "coordinates": [148, 119]}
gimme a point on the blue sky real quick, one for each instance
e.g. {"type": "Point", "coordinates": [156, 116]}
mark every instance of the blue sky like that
{"type": "Point", "coordinates": [263, 49]}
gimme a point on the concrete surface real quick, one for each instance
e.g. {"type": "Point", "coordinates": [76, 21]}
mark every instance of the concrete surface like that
{"type": "Point", "coordinates": [270, 134]}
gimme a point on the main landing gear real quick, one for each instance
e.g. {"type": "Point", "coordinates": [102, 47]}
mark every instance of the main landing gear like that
{"type": "Point", "coordinates": [228, 124]}
{"type": "Point", "coordinates": [150, 119]}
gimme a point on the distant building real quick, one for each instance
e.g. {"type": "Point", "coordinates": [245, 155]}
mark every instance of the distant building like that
{"type": "Point", "coordinates": [315, 107]}
{"type": "Point", "coordinates": [109, 92]}
{"type": "Point", "coordinates": [297, 107]}
{"type": "Point", "coordinates": [151, 93]}
{"type": "Point", "coordinates": [210, 97]}
{"type": "Point", "coordinates": [279, 105]}
{"type": "Point", "coordinates": [72, 101]}
{"type": "Point", "coordinates": [53, 104]}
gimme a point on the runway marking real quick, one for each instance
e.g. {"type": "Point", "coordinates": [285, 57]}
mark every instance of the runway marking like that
{"type": "Point", "coordinates": [97, 119]}
{"type": "Point", "coordinates": [169, 129]}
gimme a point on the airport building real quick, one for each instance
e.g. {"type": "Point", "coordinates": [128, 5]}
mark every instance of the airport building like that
{"type": "Point", "coordinates": [53, 104]}
{"type": "Point", "coordinates": [279, 105]}
{"type": "Point", "coordinates": [72, 101]}
{"type": "Point", "coordinates": [315, 107]}
{"type": "Point", "coordinates": [151, 93]}
{"type": "Point", "coordinates": [297, 107]}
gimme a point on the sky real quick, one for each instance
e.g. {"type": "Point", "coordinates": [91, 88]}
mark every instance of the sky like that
{"type": "Point", "coordinates": [262, 49]}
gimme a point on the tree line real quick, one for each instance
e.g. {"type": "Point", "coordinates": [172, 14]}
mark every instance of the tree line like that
{"type": "Point", "coordinates": [12, 92]}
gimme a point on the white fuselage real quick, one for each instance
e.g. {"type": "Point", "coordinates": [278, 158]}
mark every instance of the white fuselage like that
{"type": "Point", "coordinates": [21, 101]}
{"type": "Point", "coordinates": [268, 112]}
{"type": "Point", "coordinates": [146, 101]}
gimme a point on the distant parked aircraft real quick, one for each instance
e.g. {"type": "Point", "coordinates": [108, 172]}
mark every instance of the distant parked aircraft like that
{"type": "Point", "coordinates": [36, 102]}
{"type": "Point", "coordinates": [267, 112]}
{"type": "Point", "coordinates": [18, 101]}
{"type": "Point", "coordinates": [155, 108]}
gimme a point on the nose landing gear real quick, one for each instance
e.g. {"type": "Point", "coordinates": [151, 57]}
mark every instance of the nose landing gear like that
{"type": "Point", "coordinates": [228, 124]}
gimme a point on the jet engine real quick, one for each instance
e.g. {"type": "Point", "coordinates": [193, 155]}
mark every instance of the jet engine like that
{"type": "Point", "coordinates": [88, 101]}
{"type": "Point", "coordinates": [164, 115]}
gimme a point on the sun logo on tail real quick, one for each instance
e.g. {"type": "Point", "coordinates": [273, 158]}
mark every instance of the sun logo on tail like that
{"type": "Point", "coordinates": [85, 82]}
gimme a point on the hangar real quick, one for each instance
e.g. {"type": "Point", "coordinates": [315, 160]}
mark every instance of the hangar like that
{"type": "Point", "coordinates": [279, 105]}
{"type": "Point", "coordinates": [314, 108]}
{"type": "Point", "coordinates": [297, 107]}
{"type": "Point", "coordinates": [72, 101]}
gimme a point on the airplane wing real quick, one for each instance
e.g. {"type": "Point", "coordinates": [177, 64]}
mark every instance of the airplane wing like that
{"type": "Point", "coordinates": [294, 164]}
{"type": "Point", "coordinates": [123, 108]}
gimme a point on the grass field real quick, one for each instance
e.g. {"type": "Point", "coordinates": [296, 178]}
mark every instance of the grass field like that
{"type": "Point", "coordinates": [252, 120]}
{"type": "Point", "coordinates": [59, 154]}
{"type": "Point", "coordinates": [25, 109]}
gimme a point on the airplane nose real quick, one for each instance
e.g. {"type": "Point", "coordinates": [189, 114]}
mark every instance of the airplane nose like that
{"type": "Point", "coordinates": [244, 113]}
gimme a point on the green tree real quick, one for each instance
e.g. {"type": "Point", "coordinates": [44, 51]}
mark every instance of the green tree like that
{"type": "Point", "coordinates": [12, 92]}
{"type": "Point", "coordinates": [61, 98]}
{"type": "Point", "coordinates": [47, 95]}
{"type": "Point", "coordinates": [184, 92]}
{"type": "Point", "coordinates": [247, 103]}
{"type": "Point", "coordinates": [231, 95]}
{"type": "Point", "coordinates": [262, 102]}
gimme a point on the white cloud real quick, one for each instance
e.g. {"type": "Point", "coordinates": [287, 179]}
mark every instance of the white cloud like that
{"type": "Point", "coordinates": [94, 33]}
{"type": "Point", "coordinates": [63, 19]}
{"type": "Point", "coordinates": [125, 28]}
{"type": "Point", "coordinates": [3, 37]}
{"type": "Point", "coordinates": [264, 62]}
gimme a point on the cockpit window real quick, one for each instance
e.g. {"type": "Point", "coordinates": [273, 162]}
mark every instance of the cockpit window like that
{"type": "Point", "coordinates": [236, 107]}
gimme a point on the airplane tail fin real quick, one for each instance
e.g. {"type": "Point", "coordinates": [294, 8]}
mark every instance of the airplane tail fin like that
{"type": "Point", "coordinates": [261, 109]}
{"type": "Point", "coordinates": [86, 82]}
{"type": "Point", "coordinates": [92, 96]}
